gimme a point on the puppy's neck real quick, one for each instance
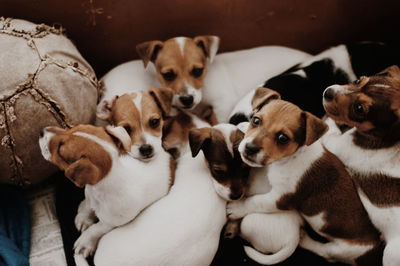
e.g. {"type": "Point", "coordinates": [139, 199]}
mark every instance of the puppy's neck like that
{"type": "Point", "coordinates": [305, 155]}
{"type": "Point", "coordinates": [372, 141]}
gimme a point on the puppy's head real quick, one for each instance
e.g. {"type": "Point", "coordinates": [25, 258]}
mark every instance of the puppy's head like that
{"type": "Point", "coordinates": [220, 147]}
{"type": "Point", "coordinates": [181, 64]}
{"type": "Point", "coordinates": [142, 115]}
{"type": "Point", "coordinates": [277, 129]}
{"type": "Point", "coordinates": [84, 152]}
{"type": "Point", "coordinates": [371, 104]}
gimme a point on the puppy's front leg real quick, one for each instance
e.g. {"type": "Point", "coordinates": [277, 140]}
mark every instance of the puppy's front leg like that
{"type": "Point", "coordinates": [86, 244]}
{"type": "Point", "coordinates": [261, 203]}
{"type": "Point", "coordinates": [85, 216]}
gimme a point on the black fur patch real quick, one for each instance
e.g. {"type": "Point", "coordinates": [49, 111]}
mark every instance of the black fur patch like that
{"type": "Point", "coordinates": [238, 118]}
{"type": "Point", "coordinates": [306, 92]}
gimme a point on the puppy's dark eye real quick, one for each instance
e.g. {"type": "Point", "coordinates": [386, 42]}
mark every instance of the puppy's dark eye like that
{"type": "Point", "coordinates": [218, 172]}
{"type": "Point", "coordinates": [282, 138]}
{"type": "Point", "coordinates": [255, 121]}
{"type": "Point", "coordinates": [154, 123]}
{"type": "Point", "coordinates": [358, 108]}
{"type": "Point", "coordinates": [169, 76]}
{"type": "Point", "coordinates": [357, 81]}
{"type": "Point", "coordinates": [197, 72]}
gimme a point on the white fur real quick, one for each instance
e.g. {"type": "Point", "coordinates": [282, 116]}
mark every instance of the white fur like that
{"type": "Point", "coordinates": [44, 145]}
{"type": "Point", "coordinates": [226, 130]}
{"type": "Point", "coordinates": [181, 43]}
{"type": "Point", "coordinates": [129, 187]}
{"type": "Point", "coordinates": [379, 161]}
{"type": "Point", "coordinates": [276, 233]}
{"type": "Point", "coordinates": [183, 228]}
{"type": "Point", "coordinates": [230, 76]}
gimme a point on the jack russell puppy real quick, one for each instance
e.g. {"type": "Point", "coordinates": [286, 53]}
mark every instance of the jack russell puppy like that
{"type": "Point", "coordinates": [306, 177]}
{"type": "Point", "coordinates": [182, 228]}
{"type": "Point", "coordinates": [277, 233]}
{"type": "Point", "coordinates": [371, 150]}
{"type": "Point", "coordinates": [196, 74]}
{"type": "Point", "coordinates": [304, 83]}
{"type": "Point", "coordinates": [117, 186]}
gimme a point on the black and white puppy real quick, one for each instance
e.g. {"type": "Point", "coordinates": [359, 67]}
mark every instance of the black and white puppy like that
{"type": "Point", "coordinates": [304, 83]}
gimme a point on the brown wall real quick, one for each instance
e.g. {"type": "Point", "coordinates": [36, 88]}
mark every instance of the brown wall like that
{"type": "Point", "coordinates": [106, 31]}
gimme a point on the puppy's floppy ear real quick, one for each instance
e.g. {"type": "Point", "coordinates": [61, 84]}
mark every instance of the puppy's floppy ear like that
{"type": "Point", "coordinates": [197, 139]}
{"type": "Point", "coordinates": [209, 44]}
{"type": "Point", "coordinates": [83, 172]}
{"type": "Point", "coordinates": [262, 96]}
{"type": "Point", "coordinates": [103, 110]}
{"type": "Point", "coordinates": [163, 98]}
{"type": "Point", "coordinates": [121, 135]}
{"type": "Point", "coordinates": [315, 128]}
{"type": "Point", "coordinates": [148, 51]}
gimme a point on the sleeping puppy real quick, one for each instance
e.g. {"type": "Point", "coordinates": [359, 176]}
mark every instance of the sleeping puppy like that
{"type": "Point", "coordinates": [117, 186]}
{"type": "Point", "coordinates": [182, 228]}
{"type": "Point", "coordinates": [371, 150]}
{"type": "Point", "coordinates": [304, 83]}
{"type": "Point", "coordinates": [276, 233]}
{"type": "Point", "coordinates": [306, 177]}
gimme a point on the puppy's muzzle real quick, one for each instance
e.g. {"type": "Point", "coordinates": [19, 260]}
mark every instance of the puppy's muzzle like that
{"type": "Point", "coordinates": [186, 100]}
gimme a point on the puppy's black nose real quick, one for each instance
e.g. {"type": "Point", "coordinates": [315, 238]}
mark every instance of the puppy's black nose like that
{"type": "Point", "coordinates": [146, 150]}
{"type": "Point", "coordinates": [251, 149]}
{"type": "Point", "coordinates": [186, 100]}
{"type": "Point", "coordinates": [329, 94]}
{"type": "Point", "coordinates": [235, 196]}
{"type": "Point", "coordinates": [41, 133]}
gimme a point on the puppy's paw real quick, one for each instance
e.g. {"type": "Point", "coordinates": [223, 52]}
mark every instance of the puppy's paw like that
{"type": "Point", "coordinates": [236, 209]}
{"type": "Point", "coordinates": [84, 220]}
{"type": "Point", "coordinates": [85, 245]}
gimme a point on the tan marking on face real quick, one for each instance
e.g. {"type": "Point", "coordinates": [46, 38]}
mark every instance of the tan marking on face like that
{"type": "Point", "coordinates": [380, 93]}
{"type": "Point", "coordinates": [69, 150]}
{"type": "Point", "coordinates": [276, 117]}
{"type": "Point", "coordinates": [136, 121]}
{"type": "Point", "coordinates": [171, 58]}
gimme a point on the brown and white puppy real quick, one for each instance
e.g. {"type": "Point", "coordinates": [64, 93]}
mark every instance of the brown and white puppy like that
{"type": "Point", "coordinates": [181, 63]}
{"type": "Point", "coordinates": [142, 115]}
{"type": "Point", "coordinates": [117, 186]}
{"type": "Point", "coordinates": [175, 139]}
{"type": "Point", "coordinates": [371, 150]}
{"type": "Point", "coordinates": [276, 233]}
{"type": "Point", "coordinates": [306, 177]}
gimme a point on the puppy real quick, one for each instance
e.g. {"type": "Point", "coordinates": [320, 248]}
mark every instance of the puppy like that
{"type": "Point", "coordinates": [117, 186]}
{"type": "Point", "coordinates": [276, 233]}
{"type": "Point", "coordinates": [304, 83]}
{"type": "Point", "coordinates": [191, 68]}
{"type": "Point", "coordinates": [371, 150]}
{"type": "Point", "coordinates": [141, 114]}
{"type": "Point", "coordinates": [306, 177]}
{"type": "Point", "coordinates": [175, 137]}
{"type": "Point", "coordinates": [182, 228]}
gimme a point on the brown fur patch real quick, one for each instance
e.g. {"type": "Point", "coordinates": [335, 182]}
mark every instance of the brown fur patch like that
{"type": "Point", "coordinates": [327, 187]}
{"type": "Point", "coordinates": [83, 160]}
{"type": "Point", "coordinates": [381, 190]}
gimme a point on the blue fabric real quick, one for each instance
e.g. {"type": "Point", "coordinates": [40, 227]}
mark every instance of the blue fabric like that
{"type": "Point", "coordinates": [15, 227]}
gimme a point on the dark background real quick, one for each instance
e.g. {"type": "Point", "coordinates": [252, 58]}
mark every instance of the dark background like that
{"type": "Point", "coordinates": [106, 31]}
